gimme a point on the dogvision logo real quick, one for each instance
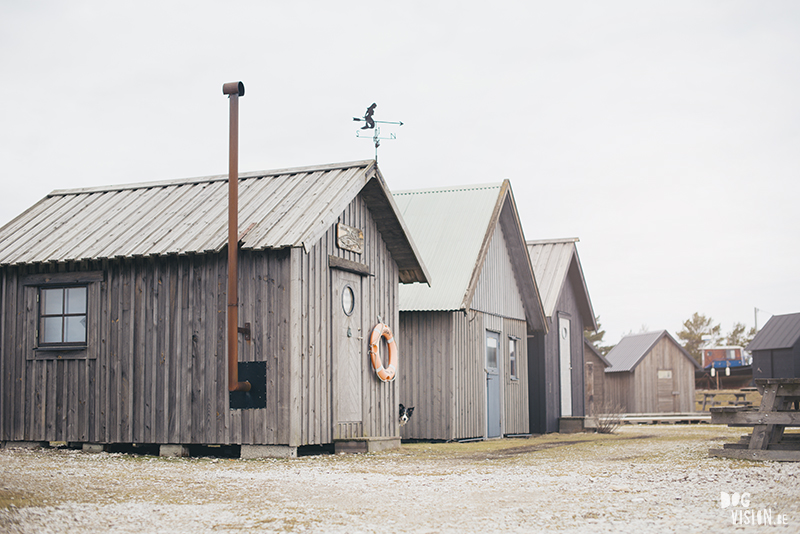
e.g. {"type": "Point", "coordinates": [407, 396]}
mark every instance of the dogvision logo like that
{"type": "Point", "coordinates": [742, 514]}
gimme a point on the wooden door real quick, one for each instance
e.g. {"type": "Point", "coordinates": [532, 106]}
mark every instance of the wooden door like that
{"type": "Point", "coordinates": [349, 357]}
{"type": "Point", "coordinates": [666, 400]}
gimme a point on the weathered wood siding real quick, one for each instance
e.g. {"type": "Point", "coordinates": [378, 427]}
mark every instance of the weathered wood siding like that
{"type": "Point", "coordinates": [619, 392]}
{"type": "Point", "coordinates": [379, 290]}
{"type": "Point", "coordinates": [497, 291]}
{"type": "Point", "coordinates": [155, 368]}
{"type": "Point", "coordinates": [664, 356]}
{"type": "Point", "coordinates": [516, 416]}
{"type": "Point", "coordinates": [442, 368]}
{"type": "Point", "coordinates": [637, 391]}
{"type": "Point", "coordinates": [594, 397]}
{"type": "Point", "coordinates": [427, 374]}
{"type": "Point", "coordinates": [544, 357]}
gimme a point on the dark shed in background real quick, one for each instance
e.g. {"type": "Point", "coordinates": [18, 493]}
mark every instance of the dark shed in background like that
{"type": "Point", "coordinates": [776, 348]}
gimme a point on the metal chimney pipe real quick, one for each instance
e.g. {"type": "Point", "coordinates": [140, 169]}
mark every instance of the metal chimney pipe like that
{"type": "Point", "coordinates": [234, 90]}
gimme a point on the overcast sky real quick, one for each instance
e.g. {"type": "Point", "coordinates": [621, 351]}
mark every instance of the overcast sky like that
{"type": "Point", "coordinates": [665, 135]}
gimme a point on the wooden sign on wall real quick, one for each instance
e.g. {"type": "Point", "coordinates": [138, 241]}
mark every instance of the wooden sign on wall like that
{"type": "Point", "coordinates": [350, 238]}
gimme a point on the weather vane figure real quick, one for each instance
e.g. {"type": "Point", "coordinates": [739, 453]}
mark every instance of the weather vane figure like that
{"type": "Point", "coordinates": [370, 125]}
{"type": "Point", "coordinates": [368, 117]}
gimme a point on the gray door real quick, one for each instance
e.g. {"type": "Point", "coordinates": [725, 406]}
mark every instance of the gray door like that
{"type": "Point", "coordinates": [493, 391]}
{"type": "Point", "coordinates": [349, 354]}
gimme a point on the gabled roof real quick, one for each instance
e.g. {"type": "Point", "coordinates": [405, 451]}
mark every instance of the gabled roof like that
{"type": "Point", "coordinates": [588, 344]}
{"type": "Point", "coordinates": [553, 261]}
{"type": "Point", "coordinates": [632, 349]}
{"type": "Point", "coordinates": [453, 228]}
{"type": "Point", "coordinates": [277, 209]}
{"type": "Point", "coordinates": [780, 332]}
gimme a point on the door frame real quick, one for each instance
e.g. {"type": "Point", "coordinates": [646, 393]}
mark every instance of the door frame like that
{"type": "Point", "coordinates": [499, 374]}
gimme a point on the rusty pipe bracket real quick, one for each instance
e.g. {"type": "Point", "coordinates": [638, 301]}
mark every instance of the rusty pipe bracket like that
{"type": "Point", "coordinates": [246, 331]}
{"type": "Point", "coordinates": [233, 88]}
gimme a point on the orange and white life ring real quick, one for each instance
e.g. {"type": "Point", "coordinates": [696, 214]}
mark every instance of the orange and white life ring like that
{"type": "Point", "coordinates": [388, 373]}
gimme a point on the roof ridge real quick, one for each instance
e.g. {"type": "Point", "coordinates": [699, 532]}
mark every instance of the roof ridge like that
{"type": "Point", "coordinates": [451, 189]}
{"type": "Point", "coordinates": [208, 179]}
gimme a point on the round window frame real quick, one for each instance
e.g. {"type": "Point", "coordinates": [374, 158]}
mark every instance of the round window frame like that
{"type": "Point", "coordinates": [349, 289]}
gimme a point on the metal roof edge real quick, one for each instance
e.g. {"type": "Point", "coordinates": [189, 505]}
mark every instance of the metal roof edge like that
{"type": "Point", "coordinates": [477, 268]}
{"type": "Point", "coordinates": [523, 252]}
{"type": "Point", "coordinates": [374, 172]}
{"type": "Point", "coordinates": [552, 241]}
{"type": "Point", "coordinates": [209, 179]}
{"type": "Point", "coordinates": [451, 189]}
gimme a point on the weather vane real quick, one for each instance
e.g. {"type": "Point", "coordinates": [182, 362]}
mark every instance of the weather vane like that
{"type": "Point", "coordinates": [370, 125]}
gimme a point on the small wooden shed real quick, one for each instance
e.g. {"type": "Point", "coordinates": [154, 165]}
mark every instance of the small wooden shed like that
{"type": "Point", "coordinates": [650, 373]}
{"type": "Point", "coordinates": [463, 339]}
{"type": "Point", "coordinates": [595, 379]}
{"type": "Point", "coordinates": [776, 348]}
{"type": "Point", "coordinates": [113, 300]}
{"type": "Point", "coordinates": [556, 359]}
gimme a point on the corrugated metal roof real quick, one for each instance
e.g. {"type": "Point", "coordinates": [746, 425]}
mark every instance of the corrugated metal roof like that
{"type": "Point", "coordinates": [449, 226]}
{"type": "Point", "coordinates": [551, 260]}
{"type": "Point", "coordinates": [277, 209]}
{"type": "Point", "coordinates": [631, 349]}
{"type": "Point", "coordinates": [453, 228]}
{"type": "Point", "coordinates": [780, 332]}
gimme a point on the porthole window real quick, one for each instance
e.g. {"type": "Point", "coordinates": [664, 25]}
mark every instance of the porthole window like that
{"type": "Point", "coordinates": [564, 333]}
{"type": "Point", "coordinates": [348, 300]}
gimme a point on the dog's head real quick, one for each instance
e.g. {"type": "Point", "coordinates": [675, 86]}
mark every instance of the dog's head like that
{"type": "Point", "coordinates": [405, 414]}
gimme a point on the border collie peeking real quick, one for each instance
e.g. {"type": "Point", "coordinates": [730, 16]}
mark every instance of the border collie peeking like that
{"type": "Point", "coordinates": [405, 414]}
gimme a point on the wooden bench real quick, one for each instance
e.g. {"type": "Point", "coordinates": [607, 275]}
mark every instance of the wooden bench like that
{"type": "Point", "coordinates": [779, 409]}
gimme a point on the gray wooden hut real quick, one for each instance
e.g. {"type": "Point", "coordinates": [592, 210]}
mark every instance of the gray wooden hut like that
{"type": "Point", "coordinates": [594, 379]}
{"type": "Point", "coordinates": [463, 338]}
{"type": "Point", "coordinates": [113, 318]}
{"type": "Point", "coordinates": [556, 360]}
{"type": "Point", "coordinates": [650, 373]}
{"type": "Point", "coordinates": [776, 348]}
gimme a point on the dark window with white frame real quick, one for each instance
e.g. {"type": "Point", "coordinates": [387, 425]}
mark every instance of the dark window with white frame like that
{"type": "Point", "coordinates": [512, 357]}
{"type": "Point", "coordinates": [63, 313]}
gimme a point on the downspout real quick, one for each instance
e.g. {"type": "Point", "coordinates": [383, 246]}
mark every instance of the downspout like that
{"type": "Point", "coordinates": [234, 90]}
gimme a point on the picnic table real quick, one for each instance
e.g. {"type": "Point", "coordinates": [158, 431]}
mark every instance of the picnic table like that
{"type": "Point", "coordinates": [779, 409]}
{"type": "Point", "coordinates": [708, 399]}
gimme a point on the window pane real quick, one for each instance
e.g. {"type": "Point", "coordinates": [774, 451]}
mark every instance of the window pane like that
{"type": "Point", "coordinates": [512, 354]}
{"type": "Point", "coordinates": [52, 301]}
{"type": "Point", "coordinates": [76, 300]}
{"type": "Point", "coordinates": [491, 352]}
{"type": "Point", "coordinates": [75, 329]}
{"type": "Point", "coordinates": [51, 330]}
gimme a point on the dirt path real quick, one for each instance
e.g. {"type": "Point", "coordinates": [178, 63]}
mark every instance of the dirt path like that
{"type": "Point", "coordinates": [642, 479]}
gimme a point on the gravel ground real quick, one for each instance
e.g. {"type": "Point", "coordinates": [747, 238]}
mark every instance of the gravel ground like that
{"type": "Point", "coordinates": [643, 479]}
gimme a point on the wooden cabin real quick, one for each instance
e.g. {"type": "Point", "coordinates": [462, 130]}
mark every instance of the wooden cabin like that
{"type": "Point", "coordinates": [776, 348]}
{"type": "Point", "coordinates": [113, 312]}
{"type": "Point", "coordinates": [463, 339]}
{"type": "Point", "coordinates": [650, 373]}
{"type": "Point", "coordinates": [556, 360]}
{"type": "Point", "coordinates": [594, 380]}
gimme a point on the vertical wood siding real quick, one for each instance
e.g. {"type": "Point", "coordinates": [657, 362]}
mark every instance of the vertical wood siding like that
{"type": "Point", "coordinates": [545, 416]}
{"type": "Point", "coordinates": [637, 391]}
{"type": "Point", "coordinates": [665, 355]}
{"type": "Point", "coordinates": [427, 374]}
{"type": "Point", "coordinates": [155, 371]}
{"type": "Point", "coordinates": [444, 377]}
{"type": "Point", "coordinates": [517, 419]}
{"type": "Point", "coordinates": [597, 403]}
{"type": "Point", "coordinates": [497, 291]}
